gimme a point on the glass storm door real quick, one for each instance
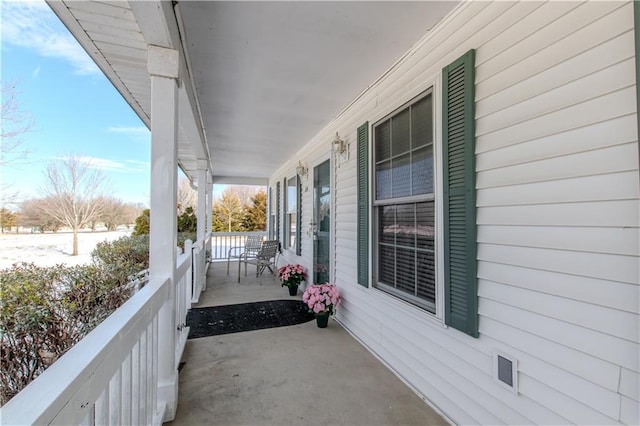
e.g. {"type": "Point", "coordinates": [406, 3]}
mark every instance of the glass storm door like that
{"type": "Point", "coordinates": [321, 222]}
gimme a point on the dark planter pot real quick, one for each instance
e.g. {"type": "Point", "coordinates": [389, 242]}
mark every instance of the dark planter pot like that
{"type": "Point", "coordinates": [293, 290]}
{"type": "Point", "coordinates": [322, 320]}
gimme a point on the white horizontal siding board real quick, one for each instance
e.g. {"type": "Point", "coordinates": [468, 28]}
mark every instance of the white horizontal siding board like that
{"type": "Point", "coordinates": [107, 21]}
{"type": "Point", "coordinates": [565, 45]}
{"type": "Point", "coordinates": [536, 15]}
{"type": "Point", "coordinates": [612, 294]}
{"type": "Point", "coordinates": [608, 348]}
{"type": "Point", "coordinates": [121, 12]}
{"type": "Point", "coordinates": [98, 27]}
{"type": "Point", "coordinates": [607, 106]}
{"type": "Point", "coordinates": [612, 131]}
{"type": "Point", "coordinates": [629, 411]}
{"type": "Point", "coordinates": [123, 51]}
{"type": "Point", "coordinates": [597, 265]}
{"type": "Point", "coordinates": [541, 23]}
{"type": "Point", "coordinates": [630, 384]}
{"type": "Point", "coordinates": [438, 391]}
{"type": "Point", "coordinates": [561, 404]}
{"type": "Point", "coordinates": [624, 241]}
{"type": "Point", "coordinates": [116, 3]}
{"type": "Point", "coordinates": [611, 79]}
{"type": "Point", "coordinates": [604, 400]}
{"type": "Point", "coordinates": [618, 158]}
{"type": "Point", "coordinates": [512, 339]}
{"type": "Point", "coordinates": [604, 187]}
{"type": "Point", "coordinates": [590, 61]}
{"type": "Point", "coordinates": [624, 325]}
{"type": "Point", "coordinates": [136, 42]}
{"type": "Point", "coordinates": [433, 370]}
{"type": "Point", "coordinates": [454, 369]}
{"type": "Point", "coordinates": [617, 213]}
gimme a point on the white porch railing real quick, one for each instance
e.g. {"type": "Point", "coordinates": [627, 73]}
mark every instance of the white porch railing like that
{"type": "Point", "coordinates": [111, 376]}
{"type": "Point", "coordinates": [223, 241]}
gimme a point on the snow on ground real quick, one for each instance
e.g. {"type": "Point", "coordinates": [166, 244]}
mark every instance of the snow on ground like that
{"type": "Point", "coordinates": [50, 249]}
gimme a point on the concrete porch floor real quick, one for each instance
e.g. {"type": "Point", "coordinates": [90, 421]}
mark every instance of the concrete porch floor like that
{"type": "Point", "coordinates": [296, 375]}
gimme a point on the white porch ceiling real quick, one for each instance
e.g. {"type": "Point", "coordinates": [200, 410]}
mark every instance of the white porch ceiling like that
{"type": "Point", "coordinates": [268, 76]}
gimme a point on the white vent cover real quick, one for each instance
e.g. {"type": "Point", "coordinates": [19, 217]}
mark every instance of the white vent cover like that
{"type": "Point", "coordinates": [505, 371]}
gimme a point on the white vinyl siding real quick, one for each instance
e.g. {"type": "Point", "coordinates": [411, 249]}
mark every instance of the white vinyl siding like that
{"type": "Point", "coordinates": [558, 206]}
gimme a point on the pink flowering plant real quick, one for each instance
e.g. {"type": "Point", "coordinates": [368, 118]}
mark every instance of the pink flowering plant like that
{"type": "Point", "coordinates": [321, 298]}
{"type": "Point", "coordinates": [292, 275]}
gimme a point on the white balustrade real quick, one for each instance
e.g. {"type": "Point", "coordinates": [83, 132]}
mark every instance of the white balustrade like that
{"type": "Point", "coordinates": [111, 376]}
{"type": "Point", "coordinates": [221, 242]}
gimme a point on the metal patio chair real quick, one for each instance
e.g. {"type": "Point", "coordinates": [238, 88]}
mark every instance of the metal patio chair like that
{"type": "Point", "coordinates": [266, 258]}
{"type": "Point", "coordinates": [251, 247]}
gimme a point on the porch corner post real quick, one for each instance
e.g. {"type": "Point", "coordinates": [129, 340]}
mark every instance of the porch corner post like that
{"type": "Point", "coordinates": [202, 221]}
{"type": "Point", "coordinates": [209, 221]}
{"type": "Point", "coordinates": [162, 65]}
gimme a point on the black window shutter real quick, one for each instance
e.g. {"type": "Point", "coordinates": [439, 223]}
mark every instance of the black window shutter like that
{"type": "Point", "coordinates": [363, 205]}
{"type": "Point", "coordinates": [299, 216]}
{"type": "Point", "coordinates": [458, 150]}
{"type": "Point", "coordinates": [277, 234]}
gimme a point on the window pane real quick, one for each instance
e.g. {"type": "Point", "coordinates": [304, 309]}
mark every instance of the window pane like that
{"type": "Point", "coordinates": [425, 225]}
{"type": "Point", "coordinates": [292, 230]}
{"type": "Point", "coordinates": [401, 176]}
{"type": "Point", "coordinates": [406, 226]}
{"type": "Point", "coordinates": [387, 225]}
{"type": "Point", "coordinates": [405, 270]}
{"type": "Point", "coordinates": [422, 122]}
{"type": "Point", "coordinates": [383, 180]}
{"type": "Point", "coordinates": [406, 230]}
{"type": "Point", "coordinates": [292, 200]}
{"type": "Point", "coordinates": [386, 260]}
{"type": "Point", "coordinates": [426, 277]}
{"type": "Point", "coordinates": [422, 171]}
{"type": "Point", "coordinates": [383, 141]}
{"type": "Point", "coordinates": [400, 142]}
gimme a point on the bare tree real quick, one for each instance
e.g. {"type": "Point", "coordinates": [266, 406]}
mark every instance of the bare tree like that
{"type": "Point", "coordinates": [187, 196]}
{"type": "Point", "coordinates": [74, 190]}
{"type": "Point", "coordinates": [244, 192]}
{"type": "Point", "coordinates": [14, 123]}
{"type": "Point", "coordinates": [33, 214]}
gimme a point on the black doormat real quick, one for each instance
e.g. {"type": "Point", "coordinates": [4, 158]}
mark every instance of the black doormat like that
{"type": "Point", "coordinates": [216, 320]}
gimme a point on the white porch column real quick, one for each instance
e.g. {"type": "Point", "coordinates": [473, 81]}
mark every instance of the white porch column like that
{"type": "Point", "coordinates": [209, 219]}
{"type": "Point", "coordinates": [162, 65]}
{"type": "Point", "coordinates": [202, 200]}
{"type": "Point", "coordinates": [209, 204]}
{"type": "Point", "coordinates": [202, 221]}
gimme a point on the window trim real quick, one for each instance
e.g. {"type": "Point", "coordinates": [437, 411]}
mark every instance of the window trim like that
{"type": "Point", "coordinates": [433, 87]}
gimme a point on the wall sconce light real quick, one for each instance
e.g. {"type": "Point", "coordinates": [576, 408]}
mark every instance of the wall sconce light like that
{"type": "Point", "coordinates": [301, 169]}
{"type": "Point", "coordinates": [339, 146]}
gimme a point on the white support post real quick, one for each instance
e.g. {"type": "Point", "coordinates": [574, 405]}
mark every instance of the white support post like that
{"type": "Point", "coordinates": [202, 200]}
{"type": "Point", "coordinates": [162, 65]}
{"type": "Point", "coordinates": [209, 204]}
{"type": "Point", "coordinates": [209, 222]}
{"type": "Point", "coordinates": [202, 224]}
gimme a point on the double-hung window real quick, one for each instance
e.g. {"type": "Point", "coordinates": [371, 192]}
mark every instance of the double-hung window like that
{"type": "Point", "coordinates": [404, 203]}
{"type": "Point", "coordinates": [291, 212]}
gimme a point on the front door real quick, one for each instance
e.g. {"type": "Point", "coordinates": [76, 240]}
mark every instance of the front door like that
{"type": "Point", "coordinates": [321, 222]}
